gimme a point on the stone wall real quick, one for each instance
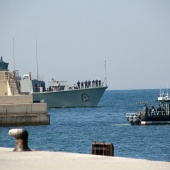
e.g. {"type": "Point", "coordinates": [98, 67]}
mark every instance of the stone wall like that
{"type": "Point", "coordinates": [24, 120]}
{"type": "Point", "coordinates": [25, 108]}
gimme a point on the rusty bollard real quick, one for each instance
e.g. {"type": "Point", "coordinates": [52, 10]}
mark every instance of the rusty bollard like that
{"type": "Point", "coordinates": [21, 137]}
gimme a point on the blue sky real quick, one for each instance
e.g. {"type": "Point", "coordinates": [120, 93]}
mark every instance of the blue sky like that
{"type": "Point", "coordinates": [75, 37]}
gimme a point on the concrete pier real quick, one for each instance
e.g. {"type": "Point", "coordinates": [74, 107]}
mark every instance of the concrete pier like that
{"type": "Point", "coordinates": [17, 99]}
{"type": "Point", "coordinates": [43, 160]}
{"type": "Point", "coordinates": [21, 111]}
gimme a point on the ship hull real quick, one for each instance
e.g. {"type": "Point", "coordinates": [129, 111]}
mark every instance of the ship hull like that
{"type": "Point", "coordinates": [149, 120]}
{"type": "Point", "coordinates": [88, 97]}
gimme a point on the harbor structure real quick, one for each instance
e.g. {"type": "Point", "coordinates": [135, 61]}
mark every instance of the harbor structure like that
{"type": "Point", "coordinates": [17, 109]}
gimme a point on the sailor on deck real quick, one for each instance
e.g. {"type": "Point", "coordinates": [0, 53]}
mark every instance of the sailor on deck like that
{"type": "Point", "coordinates": [153, 111]}
{"type": "Point", "coordinates": [78, 84]}
{"type": "Point", "coordinates": [82, 85]}
{"type": "Point", "coordinates": [145, 109]}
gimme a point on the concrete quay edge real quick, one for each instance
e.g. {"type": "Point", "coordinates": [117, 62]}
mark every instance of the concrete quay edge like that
{"type": "Point", "coordinates": [17, 99]}
{"type": "Point", "coordinates": [44, 160]}
{"type": "Point", "coordinates": [27, 108]}
{"type": "Point", "coordinates": [20, 110]}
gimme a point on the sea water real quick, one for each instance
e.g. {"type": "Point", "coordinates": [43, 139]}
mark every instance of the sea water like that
{"type": "Point", "coordinates": [75, 129]}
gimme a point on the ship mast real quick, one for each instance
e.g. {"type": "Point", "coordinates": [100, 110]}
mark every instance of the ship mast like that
{"type": "Point", "coordinates": [167, 91]}
{"type": "Point", "coordinates": [105, 72]}
{"type": "Point", "coordinates": [36, 61]}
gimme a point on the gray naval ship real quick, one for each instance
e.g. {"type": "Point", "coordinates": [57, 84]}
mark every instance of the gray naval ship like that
{"type": "Point", "coordinates": [59, 94]}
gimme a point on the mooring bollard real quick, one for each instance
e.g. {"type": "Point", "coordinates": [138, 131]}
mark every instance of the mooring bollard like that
{"type": "Point", "coordinates": [102, 148]}
{"type": "Point", "coordinates": [21, 137]}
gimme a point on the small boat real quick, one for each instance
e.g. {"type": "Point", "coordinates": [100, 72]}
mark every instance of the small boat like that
{"type": "Point", "coordinates": [152, 116]}
{"type": "Point", "coordinates": [60, 95]}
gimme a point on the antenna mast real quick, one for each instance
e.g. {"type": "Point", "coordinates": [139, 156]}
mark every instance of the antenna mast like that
{"type": "Point", "coordinates": [36, 59]}
{"type": "Point", "coordinates": [105, 73]}
{"type": "Point", "coordinates": [13, 55]}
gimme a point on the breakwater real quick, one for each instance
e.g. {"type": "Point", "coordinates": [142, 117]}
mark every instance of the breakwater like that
{"type": "Point", "coordinates": [21, 111]}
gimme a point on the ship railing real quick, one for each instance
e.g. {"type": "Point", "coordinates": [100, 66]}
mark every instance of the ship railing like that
{"type": "Point", "coordinates": [133, 115]}
{"type": "Point", "coordinates": [93, 85]}
{"type": "Point", "coordinates": [162, 113]}
{"type": "Point", "coordinates": [57, 83]}
{"type": "Point", "coordinates": [157, 113]}
{"type": "Point", "coordinates": [104, 83]}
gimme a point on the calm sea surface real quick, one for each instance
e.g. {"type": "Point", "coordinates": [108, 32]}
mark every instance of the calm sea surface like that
{"type": "Point", "coordinates": [75, 129]}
